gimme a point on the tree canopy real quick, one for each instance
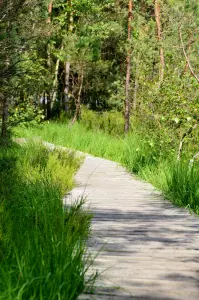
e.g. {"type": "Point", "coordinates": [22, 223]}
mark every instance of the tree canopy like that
{"type": "Point", "coordinates": [56, 56]}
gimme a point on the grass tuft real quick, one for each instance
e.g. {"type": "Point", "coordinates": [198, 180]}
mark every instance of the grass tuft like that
{"type": "Point", "coordinates": [42, 246]}
{"type": "Point", "coordinates": [183, 187]}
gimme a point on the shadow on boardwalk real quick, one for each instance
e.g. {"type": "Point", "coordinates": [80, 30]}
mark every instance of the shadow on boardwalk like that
{"type": "Point", "coordinates": [147, 248]}
{"type": "Point", "coordinates": [155, 251]}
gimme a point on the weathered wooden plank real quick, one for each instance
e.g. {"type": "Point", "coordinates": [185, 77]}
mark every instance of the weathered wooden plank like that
{"type": "Point", "coordinates": [149, 249]}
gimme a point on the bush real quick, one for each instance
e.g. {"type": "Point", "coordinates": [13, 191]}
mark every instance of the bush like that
{"type": "Point", "coordinates": [109, 122]}
{"type": "Point", "coordinates": [26, 114]}
{"type": "Point", "coordinates": [139, 153]}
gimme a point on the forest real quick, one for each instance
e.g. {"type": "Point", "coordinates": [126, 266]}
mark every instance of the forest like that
{"type": "Point", "coordinates": [118, 79]}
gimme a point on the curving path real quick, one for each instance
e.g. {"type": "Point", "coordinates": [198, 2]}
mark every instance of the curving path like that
{"type": "Point", "coordinates": [150, 248]}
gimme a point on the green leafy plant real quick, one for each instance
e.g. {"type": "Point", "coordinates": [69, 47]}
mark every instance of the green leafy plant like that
{"type": "Point", "coordinates": [26, 114]}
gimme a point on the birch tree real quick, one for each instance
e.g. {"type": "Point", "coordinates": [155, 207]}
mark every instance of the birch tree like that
{"type": "Point", "coordinates": [127, 105]}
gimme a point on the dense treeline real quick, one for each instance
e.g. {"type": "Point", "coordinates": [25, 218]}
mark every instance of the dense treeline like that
{"type": "Point", "coordinates": [135, 57]}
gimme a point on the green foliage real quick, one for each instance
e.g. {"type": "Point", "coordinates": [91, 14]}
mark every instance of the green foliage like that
{"type": "Point", "coordinates": [91, 37]}
{"type": "Point", "coordinates": [134, 151]}
{"type": "Point", "coordinates": [26, 114]}
{"type": "Point", "coordinates": [109, 122]}
{"type": "Point", "coordinates": [140, 152]}
{"type": "Point", "coordinates": [42, 245]}
{"type": "Point", "coordinates": [183, 188]}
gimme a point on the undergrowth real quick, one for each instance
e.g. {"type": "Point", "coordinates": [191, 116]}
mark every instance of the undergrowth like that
{"type": "Point", "coordinates": [183, 186]}
{"type": "Point", "coordinates": [143, 152]}
{"type": "Point", "coordinates": [42, 244]}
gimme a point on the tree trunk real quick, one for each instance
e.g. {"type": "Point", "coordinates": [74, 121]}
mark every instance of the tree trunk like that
{"type": "Point", "coordinates": [4, 125]}
{"type": "Point", "coordinates": [127, 106]}
{"type": "Point", "coordinates": [78, 102]}
{"type": "Point", "coordinates": [4, 118]}
{"type": "Point", "coordinates": [66, 88]}
{"type": "Point", "coordinates": [50, 7]}
{"type": "Point", "coordinates": [49, 65]}
{"type": "Point", "coordinates": [54, 95]}
{"type": "Point", "coordinates": [136, 84]}
{"type": "Point", "coordinates": [48, 107]}
{"type": "Point", "coordinates": [182, 140]}
{"type": "Point", "coordinates": [67, 67]}
{"type": "Point", "coordinates": [44, 105]}
{"type": "Point", "coordinates": [135, 94]}
{"type": "Point", "coordinates": [186, 68]}
{"type": "Point", "coordinates": [187, 57]}
{"type": "Point", "coordinates": [160, 40]}
{"type": "Point", "coordinates": [55, 82]}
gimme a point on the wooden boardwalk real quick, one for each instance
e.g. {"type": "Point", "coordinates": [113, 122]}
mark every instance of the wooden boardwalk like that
{"type": "Point", "coordinates": [150, 248]}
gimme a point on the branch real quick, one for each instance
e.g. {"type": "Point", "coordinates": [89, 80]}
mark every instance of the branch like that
{"type": "Point", "coordinates": [182, 140]}
{"type": "Point", "coordinates": [186, 57]}
{"type": "Point", "coordinates": [191, 162]}
{"type": "Point", "coordinates": [9, 70]}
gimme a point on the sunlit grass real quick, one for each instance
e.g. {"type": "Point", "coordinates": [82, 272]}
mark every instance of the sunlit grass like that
{"type": "Point", "coordinates": [43, 251]}
{"type": "Point", "coordinates": [141, 156]}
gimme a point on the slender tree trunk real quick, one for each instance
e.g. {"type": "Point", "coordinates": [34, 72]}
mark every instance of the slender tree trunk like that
{"type": "Point", "coordinates": [160, 40]}
{"type": "Point", "coordinates": [66, 88]}
{"type": "Point", "coordinates": [127, 106]}
{"type": "Point", "coordinates": [49, 64]}
{"type": "Point", "coordinates": [55, 82]}
{"type": "Point", "coordinates": [78, 102]}
{"type": "Point", "coordinates": [136, 84]}
{"type": "Point", "coordinates": [50, 7]}
{"type": "Point", "coordinates": [44, 104]}
{"type": "Point", "coordinates": [48, 107]}
{"type": "Point", "coordinates": [186, 65]}
{"type": "Point", "coordinates": [135, 94]}
{"type": "Point", "coordinates": [4, 118]}
{"type": "Point", "coordinates": [187, 57]}
{"type": "Point", "coordinates": [54, 96]}
{"type": "Point", "coordinates": [5, 107]}
{"type": "Point", "coordinates": [67, 65]}
{"type": "Point", "coordinates": [182, 140]}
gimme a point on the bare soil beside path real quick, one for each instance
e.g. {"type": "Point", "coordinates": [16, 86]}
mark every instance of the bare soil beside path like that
{"type": "Point", "coordinates": [149, 248]}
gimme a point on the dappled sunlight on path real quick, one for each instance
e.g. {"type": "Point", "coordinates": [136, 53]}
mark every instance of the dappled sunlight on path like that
{"type": "Point", "coordinates": [149, 249]}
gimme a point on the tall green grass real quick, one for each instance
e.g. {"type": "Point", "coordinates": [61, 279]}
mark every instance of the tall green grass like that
{"type": "Point", "coordinates": [183, 186]}
{"type": "Point", "coordinates": [143, 153]}
{"type": "Point", "coordinates": [42, 245]}
{"type": "Point", "coordinates": [132, 151]}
